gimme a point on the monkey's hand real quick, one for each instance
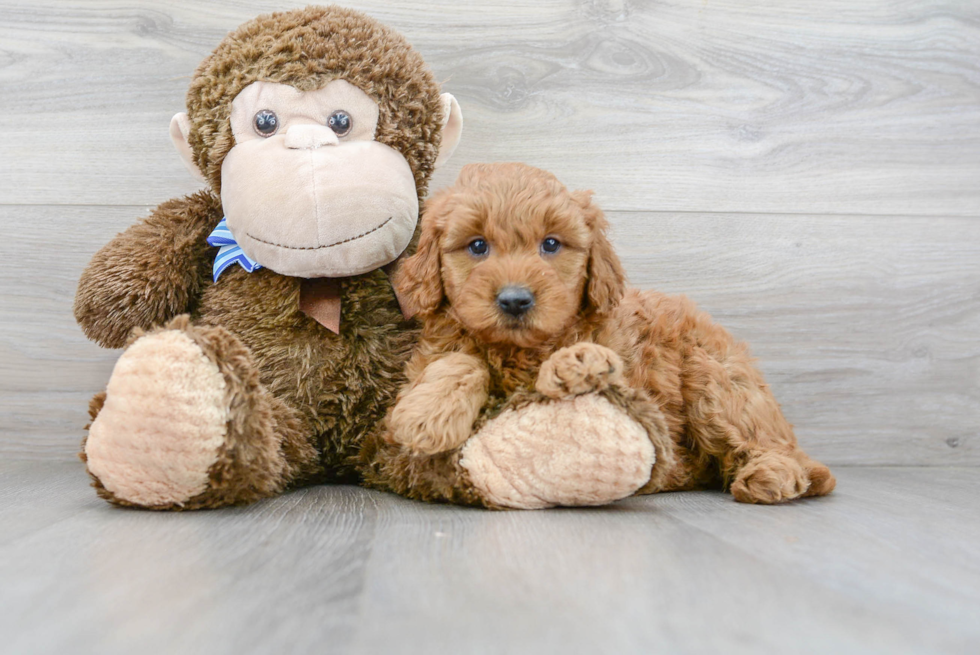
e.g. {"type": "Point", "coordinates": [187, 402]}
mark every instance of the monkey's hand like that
{"type": "Point", "coordinates": [578, 369]}
{"type": "Point", "coordinates": [150, 273]}
{"type": "Point", "coordinates": [436, 414]}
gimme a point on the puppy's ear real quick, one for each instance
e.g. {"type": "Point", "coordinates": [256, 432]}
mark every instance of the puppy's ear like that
{"type": "Point", "coordinates": [606, 280]}
{"type": "Point", "coordinates": [419, 277]}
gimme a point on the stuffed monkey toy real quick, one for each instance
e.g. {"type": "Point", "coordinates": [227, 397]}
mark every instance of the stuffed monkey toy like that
{"type": "Point", "coordinates": [263, 339]}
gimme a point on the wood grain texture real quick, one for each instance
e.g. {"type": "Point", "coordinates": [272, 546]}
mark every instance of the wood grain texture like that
{"type": "Point", "coordinates": [865, 327]}
{"type": "Point", "coordinates": [887, 564]}
{"type": "Point", "coordinates": [809, 175]}
{"type": "Point", "coordinates": [677, 105]}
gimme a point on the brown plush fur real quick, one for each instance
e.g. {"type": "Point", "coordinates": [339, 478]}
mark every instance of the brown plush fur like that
{"type": "Point", "coordinates": [265, 444]}
{"type": "Point", "coordinates": [722, 417]}
{"type": "Point", "coordinates": [295, 387]}
{"type": "Point", "coordinates": [150, 273]}
{"type": "Point", "coordinates": [306, 48]}
{"type": "Point", "coordinates": [435, 478]}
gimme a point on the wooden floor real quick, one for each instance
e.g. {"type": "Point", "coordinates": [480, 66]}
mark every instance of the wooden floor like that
{"type": "Point", "coordinates": [890, 563]}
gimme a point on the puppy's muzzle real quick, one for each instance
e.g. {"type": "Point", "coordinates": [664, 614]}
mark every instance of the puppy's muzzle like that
{"type": "Point", "coordinates": [515, 301]}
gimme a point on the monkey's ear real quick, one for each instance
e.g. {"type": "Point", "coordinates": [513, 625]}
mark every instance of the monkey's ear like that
{"type": "Point", "coordinates": [180, 128]}
{"type": "Point", "coordinates": [452, 128]}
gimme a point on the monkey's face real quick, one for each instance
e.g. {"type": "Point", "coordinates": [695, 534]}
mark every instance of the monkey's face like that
{"type": "Point", "coordinates": [306, 189]}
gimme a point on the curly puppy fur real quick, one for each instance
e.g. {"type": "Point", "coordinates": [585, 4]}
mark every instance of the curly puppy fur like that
{"type": "Point", "coordinates": [318, 392]}
{"type": "Point", "coordinates": [725, 424]}
{"type": "Point", "coordinates": [451, 392]}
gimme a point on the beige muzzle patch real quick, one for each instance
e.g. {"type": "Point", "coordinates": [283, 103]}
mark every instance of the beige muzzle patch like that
{"type": "Point", "coordinates": [319, 210]}
{"type": "Point", "coordinates": [580, 451]}
{"type": "Point", "coordinates": [162, 424]}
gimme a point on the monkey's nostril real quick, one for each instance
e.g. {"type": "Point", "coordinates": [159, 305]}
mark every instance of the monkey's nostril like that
{"type": "Point", "coordinates": [515, 301]}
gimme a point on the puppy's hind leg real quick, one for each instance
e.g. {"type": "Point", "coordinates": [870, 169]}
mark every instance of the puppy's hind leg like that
{"type": "Point", "coordinates": [822, 481]}
{"type": "Point", "coordinates": [733, 417]}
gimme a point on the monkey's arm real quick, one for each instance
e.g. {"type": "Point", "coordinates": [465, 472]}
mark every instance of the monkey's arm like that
{"type": "Point", "coordinates": [436, 412]}
{"type": "Point", "coordinates": [151, 272]}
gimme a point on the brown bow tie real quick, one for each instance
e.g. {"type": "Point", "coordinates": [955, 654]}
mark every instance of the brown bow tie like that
{"type": "Point", "coordinates": [319, 298]}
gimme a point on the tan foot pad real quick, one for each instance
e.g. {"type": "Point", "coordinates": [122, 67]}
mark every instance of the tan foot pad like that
{"type": "Point", "coordinates": [162, 424]}
{"type": "Point", "coordinates": [580, 451]}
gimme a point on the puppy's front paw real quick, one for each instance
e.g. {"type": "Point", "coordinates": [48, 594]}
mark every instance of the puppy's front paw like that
{"type": "Point", "coordinates": [578, 369]}
{"type": "Point", "coordinates": [437, 414]}
{"type": "Point", "coordinates": [429, 427]}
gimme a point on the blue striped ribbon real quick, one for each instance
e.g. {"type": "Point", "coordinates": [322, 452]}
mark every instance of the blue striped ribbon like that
{"type": "Point", "coordinates": [229, 251]}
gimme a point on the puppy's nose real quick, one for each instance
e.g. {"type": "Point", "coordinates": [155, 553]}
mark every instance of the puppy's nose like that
{"type": "Point", "coordinates": [515, 301]}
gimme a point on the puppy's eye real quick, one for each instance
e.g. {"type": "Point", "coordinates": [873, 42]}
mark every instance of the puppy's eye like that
{"type": "Point", "coordinates": [478, 247]}
{"type": "Point", "coordinates": [266, 122]}
{"type": "Point", "coordinates": [551, 245]}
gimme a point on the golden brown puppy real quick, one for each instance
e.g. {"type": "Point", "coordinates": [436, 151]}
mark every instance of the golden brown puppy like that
{"type": "Point", "coordinates": [520, 289]}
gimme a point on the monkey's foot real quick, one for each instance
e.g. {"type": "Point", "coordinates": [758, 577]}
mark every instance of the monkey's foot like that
{"type": "Point", "coordinates": [178, 427]}
{"type": "Point", "coordinates": [578, 451]}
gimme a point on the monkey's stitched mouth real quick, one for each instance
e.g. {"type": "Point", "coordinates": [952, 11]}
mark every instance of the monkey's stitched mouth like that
{"type": "Point", "coordinates": [329, 245]}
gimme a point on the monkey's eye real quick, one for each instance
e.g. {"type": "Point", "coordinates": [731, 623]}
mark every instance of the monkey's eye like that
{"type": "Point", "coordinates": [550, 246]}
{"type": "Point", "coordinates": [340, 122]}
{"type": "Point", "coordinates": [266, 122]}
{"type": "Point", "coordinates": [478, 247]}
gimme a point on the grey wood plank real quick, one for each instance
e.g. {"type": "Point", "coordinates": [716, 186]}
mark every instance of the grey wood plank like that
{"type": "Point", "coordinates": [37, 494]}
{"type": "Point", "coordinates": [871, 569]}
{"type": "Point", "coordinates": [866, 327]}
{"type": "Point", "coordinates": [232, 581]}
{"type": "Point", "coordinates": [654, 586]}
{"type": "Point", "coordinates": [838, 107]}
{"type": "Point", "coordinates": [48, 369]}
{"type": "Point", "coordinates": [893, 519]}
